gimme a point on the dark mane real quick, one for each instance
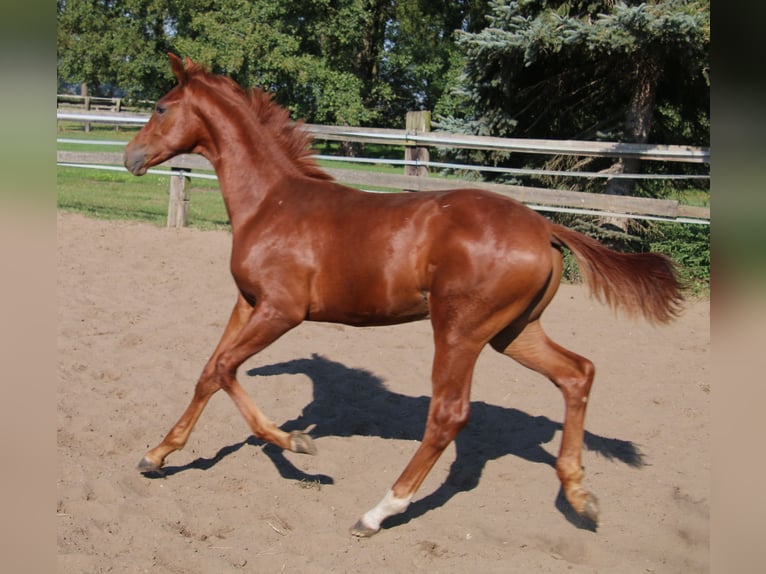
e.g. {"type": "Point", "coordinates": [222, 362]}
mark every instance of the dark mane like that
{"type": "Point", "coordinates": [287, 134]}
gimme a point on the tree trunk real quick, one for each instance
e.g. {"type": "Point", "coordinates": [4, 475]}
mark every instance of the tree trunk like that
{"type": "Point", "coordinates": [368, 58]}
{"type": "Point", "coordinates": [638, 125]}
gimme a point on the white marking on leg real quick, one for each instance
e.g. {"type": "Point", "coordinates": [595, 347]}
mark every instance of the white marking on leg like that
{"type": "Point", "coordinates": [389, 506]}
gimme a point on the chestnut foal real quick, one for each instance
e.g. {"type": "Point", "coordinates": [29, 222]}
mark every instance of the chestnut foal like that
{"type": "Point", "coordinates": [481, 266]}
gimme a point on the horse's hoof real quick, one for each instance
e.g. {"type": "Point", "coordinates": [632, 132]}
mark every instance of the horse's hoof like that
{"type": "Point", "coordinates": [302, 443]}
{"type": "Point", "coordinates": [590, 509]}
{"type": "Point", "coordinates": [361, 530]}
{"type": "Point", "coordinates": [147, 466]}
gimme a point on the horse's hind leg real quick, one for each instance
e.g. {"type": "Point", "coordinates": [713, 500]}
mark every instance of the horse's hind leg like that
{"type": "Point", "coordinates": [447, 414]}
{"type": "Point", "coordinates": [245, 335]}
{"type": "Point", "coordinates": [573, 375]}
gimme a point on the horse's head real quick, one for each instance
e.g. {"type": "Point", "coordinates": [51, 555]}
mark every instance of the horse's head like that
{"type": "Point", "coordinates": [173, 128]}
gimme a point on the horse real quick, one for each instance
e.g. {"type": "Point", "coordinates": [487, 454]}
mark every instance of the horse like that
{"type": "Point", "coordinates": [480, 266]}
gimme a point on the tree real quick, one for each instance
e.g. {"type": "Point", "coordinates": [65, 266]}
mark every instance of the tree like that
{"type": "Point", "coordinates": [624, 71]}
{"type": "Point", "coordinates": [420, 51]}
{"type": "Point", "coordinates": [295, 49]}
{"type": "Point", "coordinates": [334, 61]}
{"type": "Point", "coordinates": [358, 62]}
{"type": "Point", "coordinates": [81, 28]}
{"type": "Point", "coordinates": [117, 45]}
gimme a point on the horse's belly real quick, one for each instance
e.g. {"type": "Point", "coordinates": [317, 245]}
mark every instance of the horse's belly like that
{"type": "Point", "coordinates": [371, 308]}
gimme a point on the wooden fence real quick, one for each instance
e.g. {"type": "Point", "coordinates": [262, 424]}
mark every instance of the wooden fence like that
{"type": "Point", "coordinates": [416, 140]}
{"type": "Point", "coordinates": [75, 103]}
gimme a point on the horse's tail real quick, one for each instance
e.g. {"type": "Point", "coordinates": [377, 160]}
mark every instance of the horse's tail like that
{"type": "Point", "coordinates": [645, 283]}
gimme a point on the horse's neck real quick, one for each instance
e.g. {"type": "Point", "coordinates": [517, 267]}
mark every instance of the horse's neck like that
{"type": "Point", "coordinates": [247, 170]}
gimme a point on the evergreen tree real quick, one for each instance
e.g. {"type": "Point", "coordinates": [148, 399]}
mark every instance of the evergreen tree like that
{"type": "Point", "coordinates": [624, 71]}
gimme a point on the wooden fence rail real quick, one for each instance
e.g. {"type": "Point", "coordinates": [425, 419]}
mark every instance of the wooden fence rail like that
{"type": "Point", "coordinates": [388, 136]}
{"type": "Point", "coordinates": [538, 198]}
{"type": "Point", "coordinates": [100, 103]}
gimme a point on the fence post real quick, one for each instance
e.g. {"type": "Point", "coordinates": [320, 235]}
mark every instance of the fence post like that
{"type": "Point", "coordinates": [179, 198]}
{"type": "Point", "coordinates": [417, 123]}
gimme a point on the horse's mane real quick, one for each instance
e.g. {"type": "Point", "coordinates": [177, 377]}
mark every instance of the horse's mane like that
{"type": "Point", "coordinates": [289, 135]}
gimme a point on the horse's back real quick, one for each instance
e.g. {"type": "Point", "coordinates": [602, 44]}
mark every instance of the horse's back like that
{"type": "Point", "coordinates": [385, 255]}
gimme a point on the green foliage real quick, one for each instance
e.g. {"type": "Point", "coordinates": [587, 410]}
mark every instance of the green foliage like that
{"type": "Point", "coordinates": [571, 273]}
{"type": "Point", "coordinates": [421, 62]}
{"type": "Point", "coordinates": [113, 45]}
{"type": "Point", "coordinates": [570, 69]}
{"type": "Point", "coordinates": [689, 246]}
{"type": "Point", "coordinates": [357, 62]}
{"type": "Point", "coordinates": [585, 70]}
{"type": "Point", "coordinates": [686, 244]}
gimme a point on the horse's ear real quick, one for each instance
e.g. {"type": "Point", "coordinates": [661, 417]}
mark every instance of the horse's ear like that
{"type": "Point", "coordinates": [179, 71]}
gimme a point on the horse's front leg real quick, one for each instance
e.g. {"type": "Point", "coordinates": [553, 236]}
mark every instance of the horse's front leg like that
{"type": "Point", "coordinates": [206, 386]}
{"type": "Point", "coordinates": [179, 434]}
{"type": "Point", "coordinates": [246, 334]}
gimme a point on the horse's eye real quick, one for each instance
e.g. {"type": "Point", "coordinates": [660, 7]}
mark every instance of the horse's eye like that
{"type": "Point", "coordinates": [160, 109]}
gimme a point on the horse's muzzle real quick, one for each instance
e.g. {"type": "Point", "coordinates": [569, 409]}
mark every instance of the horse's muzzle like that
{"type": "Point", "coordinates": [134, 159]}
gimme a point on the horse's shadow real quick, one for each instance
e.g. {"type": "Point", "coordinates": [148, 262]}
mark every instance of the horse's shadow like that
{"type": "Point", "coordinates": [349, 401]}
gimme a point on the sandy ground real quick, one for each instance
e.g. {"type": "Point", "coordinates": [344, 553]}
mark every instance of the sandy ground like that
{"type": "Point", "coordinates": [141, 308]}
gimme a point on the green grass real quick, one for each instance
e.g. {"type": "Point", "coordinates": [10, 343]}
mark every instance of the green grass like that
{"type": "Point", "coordinates": [118, 195]}
{"type": "Point", "coordinates": [695, 197]}
{"type": "Point", "coordinates": [97, 131]}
